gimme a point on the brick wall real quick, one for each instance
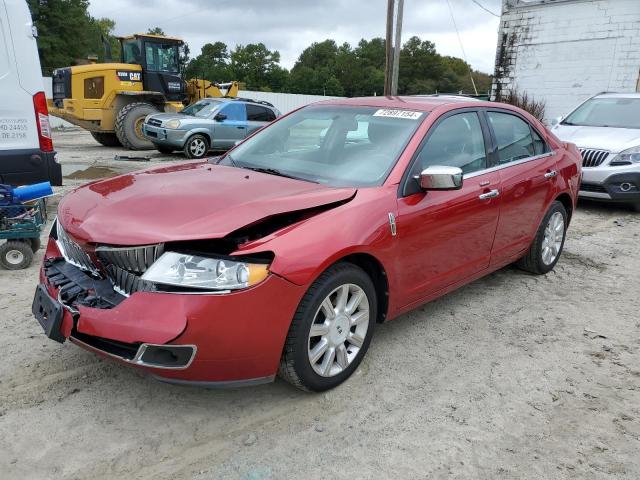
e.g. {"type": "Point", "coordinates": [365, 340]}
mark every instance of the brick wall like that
{"type": "Point", "coordinates": [564, 51]}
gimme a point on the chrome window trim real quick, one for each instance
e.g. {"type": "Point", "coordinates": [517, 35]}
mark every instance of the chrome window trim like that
{"type": "Point", "coordinates": [509, 164]}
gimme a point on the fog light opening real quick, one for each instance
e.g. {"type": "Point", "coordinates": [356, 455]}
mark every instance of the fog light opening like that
{"type": "Point", "coordinates": [165, 356]}
{"type": "Point", "coordinates": [626, 186]}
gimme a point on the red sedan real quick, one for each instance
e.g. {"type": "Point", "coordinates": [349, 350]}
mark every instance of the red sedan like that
{"type": "Point", "coordinates": [282, 255]}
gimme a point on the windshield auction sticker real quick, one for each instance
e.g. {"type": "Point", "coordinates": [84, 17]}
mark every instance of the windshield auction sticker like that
{"type": "Point", "coordinates": [408, 114]}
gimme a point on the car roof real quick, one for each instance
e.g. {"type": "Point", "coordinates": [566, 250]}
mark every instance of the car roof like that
{"type": "Point", "coordinates": [238, 100]}
{"type": "Point", "coordinates": [422, 103]}
{"type": "Point", "coordinates": [617, 95]}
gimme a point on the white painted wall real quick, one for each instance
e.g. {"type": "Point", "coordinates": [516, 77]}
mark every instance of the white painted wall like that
{"type": "Point", "coordinates": [564, 51]}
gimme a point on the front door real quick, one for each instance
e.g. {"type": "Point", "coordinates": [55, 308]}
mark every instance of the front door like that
{"type": "Point", "coordinates": [232, 128]}
{"type": "Point", "coordinates": [446, 236]}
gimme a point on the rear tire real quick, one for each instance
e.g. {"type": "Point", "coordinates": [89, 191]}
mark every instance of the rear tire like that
{"type": "Point", "coordinates": [323, 349]}
{"type": "Point", "coordinates": [129, 125]}
{"type": "Point", "coordinates": [15, 255]}
{"type": "Point", "coordinates": [548, 243]}
{"type": "Point", "coordinates": [197, 146]}
{"type": "Point", "coordinates": [108, 139]}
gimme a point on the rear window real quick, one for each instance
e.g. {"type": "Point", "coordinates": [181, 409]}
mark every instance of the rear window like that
{"type": "Point", "coordinates": [256, 113]}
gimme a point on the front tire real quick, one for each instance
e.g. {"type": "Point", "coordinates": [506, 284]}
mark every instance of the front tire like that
{"type": "Point", "coordinates": [129, 125]}
{"type": "Point", "coordinates": [548, 243]}
{"type": "Point", "coordinates": [15, 255]}
{"type": "Point", "coordinates": [331, 329]}
{"type": "Point", "coordinates": [197, 146]}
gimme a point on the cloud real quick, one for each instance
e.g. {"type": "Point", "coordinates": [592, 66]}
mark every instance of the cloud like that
{"type": "Point", "coordinates": [289, 26]}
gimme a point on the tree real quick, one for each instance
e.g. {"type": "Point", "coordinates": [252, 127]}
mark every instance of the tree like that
{"type": "Point", "coordinates": [67, 34]}
{"type": "Point", "coordinates": [212, 63]}
{"type": "Point", "coordinates": [255, 65]}
{"type": "Point", "coordinates": [156, 31]}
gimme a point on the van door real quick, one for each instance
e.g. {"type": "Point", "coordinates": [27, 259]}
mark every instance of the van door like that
{"type": "Point", "coordinates": [26, 150]}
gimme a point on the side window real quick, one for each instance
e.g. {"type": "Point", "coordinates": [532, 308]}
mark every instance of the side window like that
{"type": "Point", "coordinates": [256, 113]}
{"type": "Point", "coordinates": [457, 141]}
{"type": "Point", "coordinates": [539, 145]}
{"type": "Point", "coordinates": [513, 136]}
{"type": "Point", "coordinates": [234, 111]}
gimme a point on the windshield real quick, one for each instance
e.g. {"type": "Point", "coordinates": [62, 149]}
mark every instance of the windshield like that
{"type": "Point", "coordinates": [607, 112]}
{"type": "Point", "coordinates": [333, 145]}
{"type": "Point", "coordinates": [161, 57]}
{"type": "Point", "coordinates": [202, 109]}
{"type": "Point", "coordinates": [131, 52]}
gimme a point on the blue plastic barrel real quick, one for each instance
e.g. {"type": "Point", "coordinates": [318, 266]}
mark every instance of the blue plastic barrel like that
{"type": "Point", "coordinates": [31, 192]}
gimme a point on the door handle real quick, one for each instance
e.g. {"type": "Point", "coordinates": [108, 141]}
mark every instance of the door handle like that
{"type": "Point", "coordinates": [551, 174]}
{"type": "Point", "coordinates": [489, 194]}
{"type": "Point", "coordinates": [241, 128]}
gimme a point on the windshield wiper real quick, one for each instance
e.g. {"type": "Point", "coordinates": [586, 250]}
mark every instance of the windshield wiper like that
{"type": "Point", "coordinates": [273, 171]}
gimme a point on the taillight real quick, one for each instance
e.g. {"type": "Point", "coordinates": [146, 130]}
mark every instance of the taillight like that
{"type": "Point", "coordinates": [42, 120]}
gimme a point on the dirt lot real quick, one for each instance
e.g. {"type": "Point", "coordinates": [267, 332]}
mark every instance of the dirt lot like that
{"type": "Point", "coordinates": [513, 376]}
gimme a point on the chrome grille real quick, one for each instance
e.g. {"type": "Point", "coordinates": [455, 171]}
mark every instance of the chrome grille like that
{"type": "Point", "coordinates": [132, 259]}
{"type": "Point", "coordinates": [593, 158]}
{"type": "Point", "coordinates": [154, 122]}
{"type": "Point", "coordinates": [127, 283]}
{"type": "Point", "coordinates": [72, 252]}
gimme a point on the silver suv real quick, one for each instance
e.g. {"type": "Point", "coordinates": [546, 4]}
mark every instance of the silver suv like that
{"type": "Point", "coordinates": [208, 124]}
{"type": "Point", "coordinates": [606, 130]}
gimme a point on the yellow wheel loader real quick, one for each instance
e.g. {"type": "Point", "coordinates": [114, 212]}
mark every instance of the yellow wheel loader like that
{"type": "Point", "coordinates": [111, 100]}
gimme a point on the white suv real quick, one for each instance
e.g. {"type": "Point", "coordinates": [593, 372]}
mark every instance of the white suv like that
{"type": "Point", "coordinates": [606, 130]}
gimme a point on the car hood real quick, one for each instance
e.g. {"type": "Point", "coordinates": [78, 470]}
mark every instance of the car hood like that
{"type": "Point", "coordinates": [185, 202]}
{"type": "Point", "coordinates": [603, 138]}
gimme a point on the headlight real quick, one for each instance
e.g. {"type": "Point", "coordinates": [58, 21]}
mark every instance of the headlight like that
{"type": "Point", "coordinates": [172, 124]}
{"type": "Point", "coordinates": [630, 155]}
{"type": "Point", "coordinates": [192, 271]}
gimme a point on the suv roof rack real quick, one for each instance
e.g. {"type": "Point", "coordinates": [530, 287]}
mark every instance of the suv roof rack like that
{"type": "Point", "coordinates": [261, 102]}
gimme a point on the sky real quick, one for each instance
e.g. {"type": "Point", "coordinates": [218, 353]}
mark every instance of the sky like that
{"type": "Point", "coordinates": [289, 26]}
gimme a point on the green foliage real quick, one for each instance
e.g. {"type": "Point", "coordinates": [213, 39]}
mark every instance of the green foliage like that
{"type": "Point", "coordinates": [67, 34]}
{"type": "Point", "coordinates": [156, 31]}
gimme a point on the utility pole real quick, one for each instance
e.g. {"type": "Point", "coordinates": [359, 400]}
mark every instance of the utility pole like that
{"type": "Point", "coordinates": [393, 46]}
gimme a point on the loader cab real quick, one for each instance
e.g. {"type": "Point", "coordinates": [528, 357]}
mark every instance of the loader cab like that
{"type": "Point", "coordinates": [159, 58]}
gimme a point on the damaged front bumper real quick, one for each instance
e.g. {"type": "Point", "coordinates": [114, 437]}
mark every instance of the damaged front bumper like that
{"type": "Point", "coordinates": [207, 339]}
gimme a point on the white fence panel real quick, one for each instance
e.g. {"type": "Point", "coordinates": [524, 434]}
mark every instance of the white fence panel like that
{"type": "Point", "coordinates": [285, 102]}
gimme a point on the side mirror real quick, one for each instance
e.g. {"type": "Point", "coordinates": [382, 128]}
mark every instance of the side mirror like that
{"type": "Point", "coordinates": [556, 121]}
{"type": "Point", "coordinates": [440, 178]}
{"type": "Point", "coordinates": [220, 117]}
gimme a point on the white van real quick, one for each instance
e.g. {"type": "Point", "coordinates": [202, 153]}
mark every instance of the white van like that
{"type": "Point", "coordinates": [26, 149]}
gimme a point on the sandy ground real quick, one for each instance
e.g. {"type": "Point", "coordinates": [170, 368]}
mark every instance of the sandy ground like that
{"type": "Point", "coordinates": [513, 376]}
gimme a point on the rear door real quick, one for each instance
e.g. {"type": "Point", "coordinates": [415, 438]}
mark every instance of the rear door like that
{"type": "Point", "coordinates": [446, 236]}
{"type": "Point", "coordinates": [528, 178]}
{"type": "Point", "coordinates": [233, 127]}
{"type": "Point", "coordinates": [20, 77]}
{"type": "Point", "coordinates": [258, 116]}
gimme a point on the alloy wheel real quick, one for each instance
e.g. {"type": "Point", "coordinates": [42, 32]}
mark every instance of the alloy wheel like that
{"type": "Point", "coordinates": [553, 237]}
{"type": "Point", "coordinates": [338, 330]}
{"type": "Point", "coordinates": [197, 147]}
